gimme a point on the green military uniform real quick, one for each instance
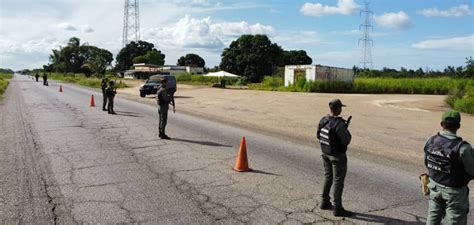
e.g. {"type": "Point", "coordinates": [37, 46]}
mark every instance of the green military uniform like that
{"type": "Point", "coordinates": [163, 100]}
{"type": "Point", "coordinates": [334, 137]}
{"type": "Point", "coordinates": [110, 92]}
{"type": "Point", "coordinates": [104, 94]}
{"type": "Point", "coordinates": [451, 202]}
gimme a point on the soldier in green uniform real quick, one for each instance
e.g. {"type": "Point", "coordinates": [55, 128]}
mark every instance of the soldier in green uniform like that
{"type": "Point", "coordinates": [163, 99]}
{"type": "Point", "coordinates": [450, 163]}
{"type": "Point", "coordinates": [334, 137]}
{"type": "Point", "coordinates": [110, 92]}
{"type": "Point", "coordinates": [104, 95]}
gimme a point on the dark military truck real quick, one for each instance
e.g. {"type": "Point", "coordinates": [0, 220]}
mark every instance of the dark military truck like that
{"type": "Point", "coordinates": [151, 86]}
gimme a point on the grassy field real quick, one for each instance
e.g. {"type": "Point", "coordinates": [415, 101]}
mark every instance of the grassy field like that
{"type": "Point", "coordinates": [461, 98]}
{"type": "Point", "coordinates": [460, 91]}
{"type": "Point", "coordinates": [4, 82]}
{"type": "Point", "coordinates": [82, 80]}
{"type": "Point", "coordinates": [202, 80]}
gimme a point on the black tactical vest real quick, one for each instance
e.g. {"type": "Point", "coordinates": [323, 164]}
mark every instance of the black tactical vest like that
{"type": "Point", "coordinates": [330, 143]}
{"type": "Point", "coordinates": [443, 163]}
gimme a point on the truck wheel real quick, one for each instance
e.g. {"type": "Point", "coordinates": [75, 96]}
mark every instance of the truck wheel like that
{"type": "Point", "coordinates": [142, 95]}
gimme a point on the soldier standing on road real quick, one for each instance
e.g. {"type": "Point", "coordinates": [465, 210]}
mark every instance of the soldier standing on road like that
{"type": "Point", "coordinates": [450, 163]}
{"type": "Point", "coordinates": [334, 137]}
{"type": "Point", "coordinates": [37, 77]}
{"type": "Point", "coordinates": [110, 92]}
{"type": "Point", "coordinates": [104, 95]}
{"type": "Point", "coordinates": [45, 79]}
{"type": "Point", "coordinates": [163, 99]}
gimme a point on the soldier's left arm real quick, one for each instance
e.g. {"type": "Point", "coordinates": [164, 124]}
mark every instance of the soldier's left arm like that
{"type": "Point", "coordinates": [466, 154]}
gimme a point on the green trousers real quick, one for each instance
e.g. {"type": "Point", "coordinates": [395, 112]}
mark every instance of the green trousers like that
{"type": "Point", "coordinates": [163, 114]}
{"type": "Point", "coordinates": [335, 169]}
{"type": "Point", "coordinates": [450, 203]}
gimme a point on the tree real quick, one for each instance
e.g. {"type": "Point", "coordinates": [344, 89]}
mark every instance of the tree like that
{"type": "Point", "coordinates": [252, 56]}
{"type": "Point", "coordinates": [191, 60]}
{"type": "Point", "coordinates": [69, 58]}
{"type": "Point", "coordinates": [125, 57]}
{"type": "Point", "coordinates": [296, 57]}
{"type": "Point", "coordinates": [97, 61]}
{"type": "Point", "coordinates": [469, 70]}
{"type": "Point", "coordinates": [79, 58]}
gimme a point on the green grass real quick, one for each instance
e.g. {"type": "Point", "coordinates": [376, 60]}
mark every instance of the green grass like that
{"type": "Point", "coordinates": [439, 86]}
{"type": "Point", "coordinates": [462, 98]}
{"type": "Point", "coordinates": [4, 82]}
{"type": "Point", "coordinates": [461, 91]}
{"type": "Point", "coordinates": [186, 78]}
{"type": "Point", "coordinates": [82, 80]}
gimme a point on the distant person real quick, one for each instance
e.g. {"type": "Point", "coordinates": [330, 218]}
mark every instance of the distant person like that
{"type": "Point", "coordinates": [37, 77]}
{"type": "Point", "coordinates": [104, 95]}
{"type": "Point", "coordinates": [450, 163]}
{"type": "Point", "coordinates": [110, 92]}
{"type": "Point", "coordinates": [45, 79]}
{"type": "Point", "coordinates": [163, 98]}
{"type": "Point", "coordinates": [334, 137]}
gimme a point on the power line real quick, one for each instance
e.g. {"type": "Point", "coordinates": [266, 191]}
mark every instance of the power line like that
{"type": "Point", "coordinates": [131, 22]}
{"type": "Point", "coordinates": [366, 27]}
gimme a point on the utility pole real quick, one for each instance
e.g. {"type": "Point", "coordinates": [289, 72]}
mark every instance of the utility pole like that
{"type": "Point", "coordinates": [366, 28]}
{"type": "Point", "coordinates": [131, 22]}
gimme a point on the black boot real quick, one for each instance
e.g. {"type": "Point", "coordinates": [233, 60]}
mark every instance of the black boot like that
{"type": "Point", "coordinates": [325, 205]}
{"type": "Point", "coordinates": [339, 211]}
{"type": "Point", "coordinates": [164, 136]}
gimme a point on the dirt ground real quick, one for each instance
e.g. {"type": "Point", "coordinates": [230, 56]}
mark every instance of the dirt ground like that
{"type": "Point", "coordinates": [393, 126]}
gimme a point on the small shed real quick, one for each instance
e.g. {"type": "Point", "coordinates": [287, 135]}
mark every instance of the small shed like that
{"type": "Point", "coordinates": [317, 72]}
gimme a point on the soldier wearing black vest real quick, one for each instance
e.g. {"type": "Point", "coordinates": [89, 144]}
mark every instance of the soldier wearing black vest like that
{"type": "Point", "coordinates": [45, 79]}
{"type": "Point", "coordinates": [110, 92]}
{"type": "Point", "coordinates": [450, 163]}
{"type": "Point", "coordinates": [104, 94]}
{"type": "Point", "coordinates": [164, 99]}
{"type": "Point", "coordinates": [334, 137]}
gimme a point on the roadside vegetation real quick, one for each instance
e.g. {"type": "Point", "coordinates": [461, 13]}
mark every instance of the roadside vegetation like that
{"type": "Point", "coordinates": [461, 98]}
{"type": "Point", "coordinates": [4, 77]}
{"type": "Point", "coordinates": [186, 78]}
{"type": "Point", "coordinates": [438, 86]}
{"type": "Point", "coordinates": [82, 80]}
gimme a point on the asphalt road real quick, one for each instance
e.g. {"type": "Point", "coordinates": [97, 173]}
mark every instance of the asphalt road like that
{"type": "Point", "coordinates": [62, 161]}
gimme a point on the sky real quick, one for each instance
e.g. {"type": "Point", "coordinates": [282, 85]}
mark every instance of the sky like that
{"type": "Point", "coordinates": [430, 34]}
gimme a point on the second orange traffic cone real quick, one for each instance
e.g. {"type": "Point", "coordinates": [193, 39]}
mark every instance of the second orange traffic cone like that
{"type": "Point", "coordinates": [92, 101]}
{"type": "Point", "coordinates": [242, 163]}
{"type": "Point", "coordinates": [60, 88]}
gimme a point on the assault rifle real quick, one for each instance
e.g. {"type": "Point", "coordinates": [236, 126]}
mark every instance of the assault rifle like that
{"type": "Point", "coordinates": [348, 121]}
{"type": "Point", "coordinates": [173, 103]}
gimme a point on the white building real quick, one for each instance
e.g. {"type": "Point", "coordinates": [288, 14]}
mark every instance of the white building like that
{"type": "Point", "coordinates": [317, 72]}
{"type": "Point", "coordinates": [141, 69]}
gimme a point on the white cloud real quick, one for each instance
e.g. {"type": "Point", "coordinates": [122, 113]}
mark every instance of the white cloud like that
{"type": "Point", "coordinates": [87, 29]}
{"type": "Point", "coordinates": [399, 21]}
{"type": "Point", "coordinates": [455, 43]}
{"type": "Point", "coordinates": [67, 26]}
{"type": "Point", "coordinates": [44, 45]}
{"type": "Point", "coordinates": [345, 7]}
{"type": "Point", "coordinates": [455, 11]}
{"type": "Point", "coordinates": [204, 33]}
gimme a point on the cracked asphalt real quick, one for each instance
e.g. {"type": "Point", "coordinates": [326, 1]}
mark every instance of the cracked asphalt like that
{"type": "Point", "coordinates": [63, 162]}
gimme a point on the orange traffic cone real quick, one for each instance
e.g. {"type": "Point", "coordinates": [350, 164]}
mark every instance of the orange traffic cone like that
{"type": "Point", "coordinates": [60, 88]}
{"type": "Point", "coordinates": [242, 163]}
{"type": "Point", "coordinates": [92, 101]}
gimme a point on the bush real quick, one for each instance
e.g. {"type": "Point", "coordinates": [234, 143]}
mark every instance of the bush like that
{"type": "Point", "coordinates": [82, 80]}
{"type": "Point", "coordinates": [4, 82]}
{"type": "Point", "coordinates": [186, 78]}
{"type": "Point", "coordinates": [462, 97]}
